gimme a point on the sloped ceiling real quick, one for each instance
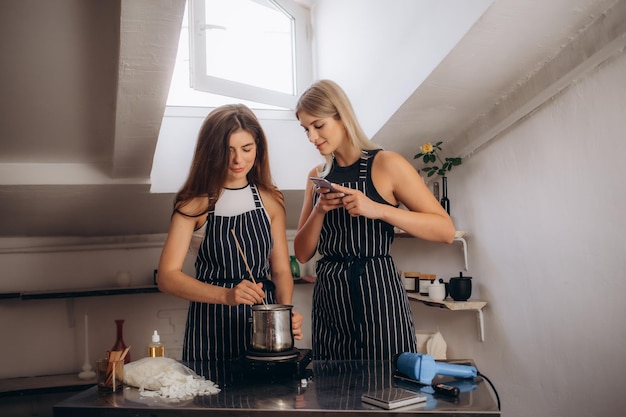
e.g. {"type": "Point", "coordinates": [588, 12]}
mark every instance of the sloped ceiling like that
{"type": "Point", "coordinates": [518, 50]}
{"type": "Point", "coordinates": [87, 85]}
{"type": "Point", "coordinates": [83, 86]}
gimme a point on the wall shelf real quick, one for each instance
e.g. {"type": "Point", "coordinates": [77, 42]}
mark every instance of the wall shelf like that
{"type": "Point", "coordinates": [473, 305]}
{"type": "Point", "coordinates": [464, 242]}
{"type": "Point", "coordinates": [41, 295]}
{"type": "Point", "coordinates": [458, 237]}
{"type": "Point", "coordinates": [70, 295]}
{"type": "Point", "coordinates": [43, 384]}
{"type": "Point", "coordinates": [304, 280]}
{"type": "Point", "coordinates": [6, 295]}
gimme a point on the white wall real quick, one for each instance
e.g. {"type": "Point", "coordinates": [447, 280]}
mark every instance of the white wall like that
{"type": "Point", "coordinates": [545, 203]}
{"type": "Point", "coordinates": [46, 337]}
{"type": "Point", "coordinates": [358, 54]}
{"type": "Point", "coordinates": [291, 154]}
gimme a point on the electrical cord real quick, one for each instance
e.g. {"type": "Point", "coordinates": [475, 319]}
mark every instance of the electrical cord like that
{"type": "Point", "coordinates": [492, 387]}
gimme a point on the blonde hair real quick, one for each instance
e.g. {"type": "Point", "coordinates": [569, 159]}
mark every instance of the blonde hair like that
{"type": "Point", "coordinates": [326, 99]}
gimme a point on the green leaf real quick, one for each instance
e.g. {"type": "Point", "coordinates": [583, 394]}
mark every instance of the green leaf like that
{"type": "Point", "coordinates": [419, 155]}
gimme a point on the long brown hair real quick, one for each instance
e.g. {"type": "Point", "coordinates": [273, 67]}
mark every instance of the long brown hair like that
{"type": "Point", "coordinates": [209, 167]}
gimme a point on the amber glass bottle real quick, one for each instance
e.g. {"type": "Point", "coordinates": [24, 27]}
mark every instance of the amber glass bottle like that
{"type": "Point", "coordinates": [119, 342]}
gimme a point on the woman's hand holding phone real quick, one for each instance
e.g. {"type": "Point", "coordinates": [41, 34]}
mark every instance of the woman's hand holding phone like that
{"type": "Point", "coordinates": [355, 202]}
{"type": "Point", "coordinates": [323, 183]}
{"type": "Point", "coordinates": [329, 200]}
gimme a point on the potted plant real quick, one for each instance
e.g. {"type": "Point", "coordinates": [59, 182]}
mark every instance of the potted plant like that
{"type": "Point", "coordinates": [429, 155]}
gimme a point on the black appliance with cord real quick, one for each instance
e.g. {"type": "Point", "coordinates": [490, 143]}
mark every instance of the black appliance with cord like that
{"type": "Point", "coordinates": [291, 363]}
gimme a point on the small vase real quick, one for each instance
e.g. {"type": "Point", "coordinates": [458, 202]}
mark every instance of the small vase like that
{"type": "Point", "coordinates": [445, 203]}
{"type": "Point", "coordinates": [119, 342]}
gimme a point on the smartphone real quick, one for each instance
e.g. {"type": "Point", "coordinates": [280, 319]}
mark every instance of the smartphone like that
{"type": "Point", "coordinates": [323, 183]}
{"type": "Point", "coordinates": [390, 398]}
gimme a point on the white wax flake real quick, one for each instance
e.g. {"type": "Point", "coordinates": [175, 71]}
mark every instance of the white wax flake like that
{"type": "Point", "coordinates": [166, 378]}
{"type": "Point", "coordinates": [176, 386]}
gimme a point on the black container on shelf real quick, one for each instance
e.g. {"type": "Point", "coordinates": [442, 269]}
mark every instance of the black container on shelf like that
{"type": "Point", "coordinates": [460, 287]}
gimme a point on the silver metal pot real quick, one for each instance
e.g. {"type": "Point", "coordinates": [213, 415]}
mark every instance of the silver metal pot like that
{"type": "Point", "coordinates": [271, 328]}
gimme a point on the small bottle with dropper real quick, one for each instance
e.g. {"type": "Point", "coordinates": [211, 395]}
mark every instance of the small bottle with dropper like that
{"type": "Point", "coordinates": [156, 348]}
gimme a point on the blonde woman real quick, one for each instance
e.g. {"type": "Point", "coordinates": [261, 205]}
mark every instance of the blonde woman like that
{"type": "Point", "coordinates": [360, 307]}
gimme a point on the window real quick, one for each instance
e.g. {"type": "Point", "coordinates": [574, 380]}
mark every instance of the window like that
{"type": "Point", "coordinates": [187, 107]}
{"type": "Point", "coordinates": [256, 51]}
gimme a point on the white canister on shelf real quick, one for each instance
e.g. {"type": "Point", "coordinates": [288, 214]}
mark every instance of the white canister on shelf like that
{"type": "Point", "coordinates": [437, 291]}
{"type": "Point", "coordinates": [409, 283]}
{"type": "Point", "coordinates": [424, 281]}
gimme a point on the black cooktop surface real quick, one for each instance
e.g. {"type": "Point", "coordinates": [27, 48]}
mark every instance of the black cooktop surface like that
{"type": "Point", "coordinates": [289, 363]}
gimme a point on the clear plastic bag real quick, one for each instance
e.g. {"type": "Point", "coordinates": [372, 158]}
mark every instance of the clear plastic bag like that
{"type": "Point", "coordinates": [166, 378]}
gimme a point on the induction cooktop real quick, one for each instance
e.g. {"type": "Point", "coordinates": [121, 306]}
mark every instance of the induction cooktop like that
{"type": "Point", "coordinates": [292, 363]}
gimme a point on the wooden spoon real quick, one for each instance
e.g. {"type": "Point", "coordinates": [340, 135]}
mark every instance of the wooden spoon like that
{"type": "Point", "coordinates": [245, 261]}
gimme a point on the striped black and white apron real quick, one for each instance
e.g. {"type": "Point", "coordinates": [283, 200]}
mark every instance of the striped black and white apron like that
{"type": "Point", "coordinates": [217, 331]}
{"type": "Point", "coordinates": [360, 306]}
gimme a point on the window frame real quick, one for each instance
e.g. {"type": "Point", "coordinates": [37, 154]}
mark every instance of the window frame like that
{"type": "Point", "coordinates": [215, 85]}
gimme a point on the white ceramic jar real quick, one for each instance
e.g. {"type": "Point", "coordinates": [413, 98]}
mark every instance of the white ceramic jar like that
{"type": "Point", "coordinates": [437, 291]}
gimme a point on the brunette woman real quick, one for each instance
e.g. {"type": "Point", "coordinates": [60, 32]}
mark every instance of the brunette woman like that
{"type": "Point", "coordinates": [228, 199]}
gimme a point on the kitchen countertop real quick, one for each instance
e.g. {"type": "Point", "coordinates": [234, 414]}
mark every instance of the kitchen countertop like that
{"type": "Point", "coordinates": [331, 387]}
